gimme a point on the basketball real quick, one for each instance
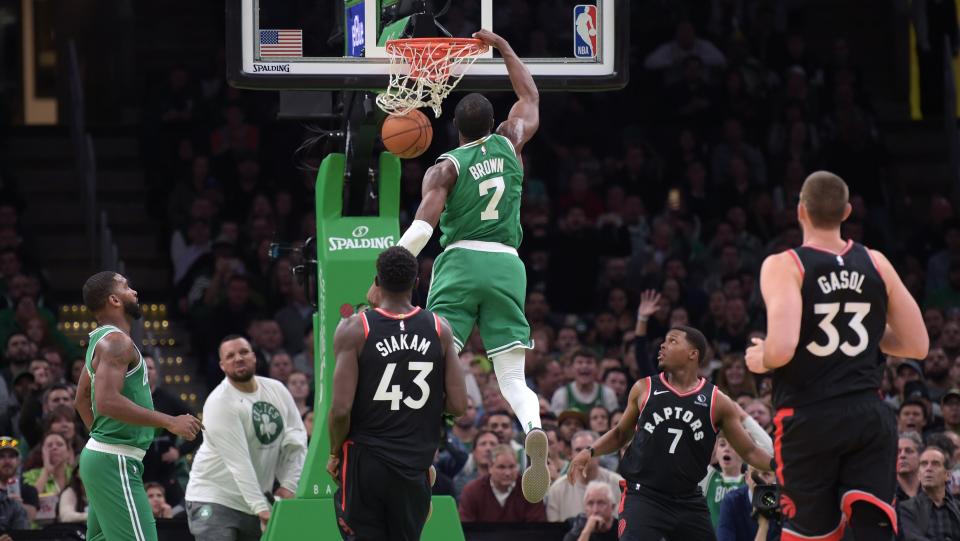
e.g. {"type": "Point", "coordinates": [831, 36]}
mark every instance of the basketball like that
{"type": "Point", "coordinates": [407, 136]}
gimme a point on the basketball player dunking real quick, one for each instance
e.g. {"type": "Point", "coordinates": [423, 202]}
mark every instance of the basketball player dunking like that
{"type": "Point", "coordinates": [673, 419]}
{"type": "Point", "coordinates": [832, 307]}
{"type": "Point", "coordinates": [397, 372]}
{"type": "Point", "coordinates": [474, 193]}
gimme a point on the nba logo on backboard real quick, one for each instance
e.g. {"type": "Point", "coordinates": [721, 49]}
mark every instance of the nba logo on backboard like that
{"type": "Point", "coordinates": [355, 26]}
{"type": "Point", "coordinates": [585, 31]}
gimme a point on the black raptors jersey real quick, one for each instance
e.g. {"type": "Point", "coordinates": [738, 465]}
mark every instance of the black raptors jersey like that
{"type": "Point", "coordinates": [674, 439]}
{"type": "Point", "coordinates": [844, 317]}
{"type": "Point", "coordinates": [400, 390]}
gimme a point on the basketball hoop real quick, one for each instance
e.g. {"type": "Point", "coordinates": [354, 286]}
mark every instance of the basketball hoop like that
{"type": "Point", "coordinates": [423, 71]}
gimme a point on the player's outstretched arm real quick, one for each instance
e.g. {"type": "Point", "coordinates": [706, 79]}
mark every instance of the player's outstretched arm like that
{"type": "Point", "coordinates": [524, 118]}
{"type": "Point", "coordinates": [113, 353]}
{"type": "Point", "coordinates": [780, 283]}
{"type": "Point", "coordinates": [346, 348]}
{"type": "Point", "coordinates": [905, 335]}
{"type": "Point", "coordinates": [83, 402]}
{"type": "Point", "coordinates": [727, 418]}
{"type": "Point", "coordinates": [455, 386]}
{"type": "Point", "coordinates": [616, 437]}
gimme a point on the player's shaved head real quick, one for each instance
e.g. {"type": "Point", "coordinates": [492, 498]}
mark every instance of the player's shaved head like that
{"type": "Point", "coordinates": [474, 116]}
{"type": "Point", "coordinates": [98, 289]}
{"type": "Point", "coordinates": [825, 197]}
{"type": "Point", "coordinates": [397, 270]}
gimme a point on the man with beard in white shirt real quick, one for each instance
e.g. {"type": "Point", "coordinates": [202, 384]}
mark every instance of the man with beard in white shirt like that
{"type": "Point", "coordinates": [254, 436]}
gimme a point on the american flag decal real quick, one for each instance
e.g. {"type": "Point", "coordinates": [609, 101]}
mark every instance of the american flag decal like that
{"type": "Point", "coordinates": [281, 43]}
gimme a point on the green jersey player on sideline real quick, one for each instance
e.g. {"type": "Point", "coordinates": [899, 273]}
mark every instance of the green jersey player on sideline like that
{"type": "Point", "coordinates": [114, 401]}
{"type": "Point", "coordinates": [473, 192]}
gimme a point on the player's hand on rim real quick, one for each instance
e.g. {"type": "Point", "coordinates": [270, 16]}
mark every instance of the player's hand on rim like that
{"type": "Point", "coordinates": [490, 38]}
{"type": "Point", "coordinates": [754, 357]}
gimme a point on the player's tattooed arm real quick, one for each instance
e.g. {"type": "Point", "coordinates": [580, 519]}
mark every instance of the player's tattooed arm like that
{"type": "Point", "coordinates": [726, 417]}
{"type": "Point", "coordinates": [83, 401]}
{"type": "Point", "coordinates": [346, 348]}
{"type": "Point", "coordinates": [455, 385]}
{"type": "Point", "coordinates": [112, 361]}
{"type": "Point", "coordinates": [616, 437]}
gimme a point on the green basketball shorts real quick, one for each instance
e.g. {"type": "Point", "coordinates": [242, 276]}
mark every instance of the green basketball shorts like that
{"type": "Point", "coordinates": [119, 509]}
{"type": "Point", "coordinates": [487, 289]}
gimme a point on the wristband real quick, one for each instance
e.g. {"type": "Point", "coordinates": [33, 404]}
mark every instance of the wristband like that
{"type": "Point", "coordinates": [592, 451]}
{"type": "Point", "coordinates": [416, 236]}
{"type": "Point", "coordinates": [642, 319]}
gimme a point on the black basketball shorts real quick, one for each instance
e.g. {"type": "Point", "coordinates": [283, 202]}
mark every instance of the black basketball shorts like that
{"type": "Point", "coordinates": [377, 502]}
{"type": "Point", "coordinates": [830, 456]}
{"type": "Point", "coordinates": [646, 514]}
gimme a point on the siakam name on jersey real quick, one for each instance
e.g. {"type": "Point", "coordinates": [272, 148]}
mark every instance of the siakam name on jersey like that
{"type": "Point", "coordinates": [379, 243]}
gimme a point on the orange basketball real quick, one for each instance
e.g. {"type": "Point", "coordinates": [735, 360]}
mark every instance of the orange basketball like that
{"type": "Point", "coordinates": [407, 136]}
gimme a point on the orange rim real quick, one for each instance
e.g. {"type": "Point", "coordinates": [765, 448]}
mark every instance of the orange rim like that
{"type": "Point", "coordinates": [452, 47]}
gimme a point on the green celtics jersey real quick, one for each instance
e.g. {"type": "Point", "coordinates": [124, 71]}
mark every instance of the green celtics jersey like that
{"type": "Point", "coordinates": [716, 487]}
{"type": "Point", "coordinates": [485, 203]}
{"type": "Point", "coordinates": [135, 387]}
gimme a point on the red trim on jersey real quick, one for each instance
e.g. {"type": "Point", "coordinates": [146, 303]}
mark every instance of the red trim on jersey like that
{"type": "Point", "coordinates": [778, 441]}
{"type": "Point", "coordinates": [343, 476]}
{"type": "Point", "coordinates": [796, 259]}
{"type": "Point", "coordinates": [436, 318]}
{"type": "Point", "coordinates": [696, 389]}
{"type": "Point", "coordinates": [874, 261]}
{"type": "Point", "coordinates": [835, 535]}
{"type": "Point", "coordinates": [391, 315]}
{"type": "Point", "coordinates": [846, 248]}
{"type": "Point", "coordinates": [643, 401]}
{"type": "Point", "coordinates": [851, 497]}
{"type": "Point", "coordinates": [713, 402]}
{"type": "Point", "coordinates": [366, 325]}
{"type": "Point", "coordinates": [623, 496]}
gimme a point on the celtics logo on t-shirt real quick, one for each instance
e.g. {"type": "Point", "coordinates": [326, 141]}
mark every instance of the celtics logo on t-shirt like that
{"type": "Point", "coordinates": [267, 422]}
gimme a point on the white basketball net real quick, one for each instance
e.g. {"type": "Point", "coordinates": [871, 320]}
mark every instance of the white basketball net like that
{"type": "Point", "coordinates": [423, 71]}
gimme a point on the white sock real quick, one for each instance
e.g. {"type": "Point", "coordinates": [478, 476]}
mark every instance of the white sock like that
{"type": "Point", "coordinates": [513, 386]}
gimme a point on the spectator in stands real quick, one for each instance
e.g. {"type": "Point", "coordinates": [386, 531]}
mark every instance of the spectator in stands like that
{"type": "Point", "coordinates": [546, 377]}
{"type": "Point", "coordinates": [158, 500]}
{"type": "Point", "coordinates": [762, 413]}
{"type": "Point", "coordinates": [584, 392]}
{"type": "Point", "coordinates": [63, 420]}
{"type": "Point", "coordinates": [616, 379]}
{"type": "Point", "coordinates": [54, 364]}
{"type": "Point", "coordinates": [950, 409]}
{"type": "Point", "coordinates": [596, 521]}
{"type": "Point", "coordinates": [164, 462]}
{"type": "Point", "coordinates": [912, 416]}
{"type": "Point", "coordinates": [599, 419]}
{"type": "Point", "coordinates": [184, 252]}
{"type": "Point", "coordinates": [933, 513]}
{"type": "Point", "coordinates": [564, 500]}
{"type": "Point", "coordinates": [497, 497]}
{"type": "Point", "coordinates": [73, 502]}
{"type": "Point", "coordinates": [12, 484]}
{"type": "Point", "coordinates": [906, 371]}
{"type": "Point", "coordinates": [501, 423]}
{"type": "Point", "coordinates": [909, 447]}
{"type": "Point", "coordinates": [16, 358]}
{"type": "Point", "coordinates": [303, 361]}
{"type": "Point", "coordinates": [281, 366]}
{"type": "Point", "coordinates": [569, 422]}
{"type": "Point", "coordinates": [267, 342]}
{"type": "Point", "coordinates": [735, 380]}
{"type": "Point", "coordinates": [670, 55]}
{"type": "Point", "coordinates": [737, 522]}
{"type": "Point", "coordinates": [54, 475]}
{"type": "Point", "coordinates": [39, 403]}
{"type": "Point", "coordinates": [936, 368]}
{"type": "Point", "coordinates": [722, 478]}
{"type": "Point", "coordinates": [299, 386]}
{"type": "Point", "coordinates": [294, 318]}
{"type": "Point", "coordinates": [478, 465]}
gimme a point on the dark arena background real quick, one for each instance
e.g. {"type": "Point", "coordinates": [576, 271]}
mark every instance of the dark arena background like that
{"type": "Point", "coordinates": [227, 159]}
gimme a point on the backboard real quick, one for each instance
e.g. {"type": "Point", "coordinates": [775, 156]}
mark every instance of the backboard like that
{"type": "Point", "coordinates": [339, 44]}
